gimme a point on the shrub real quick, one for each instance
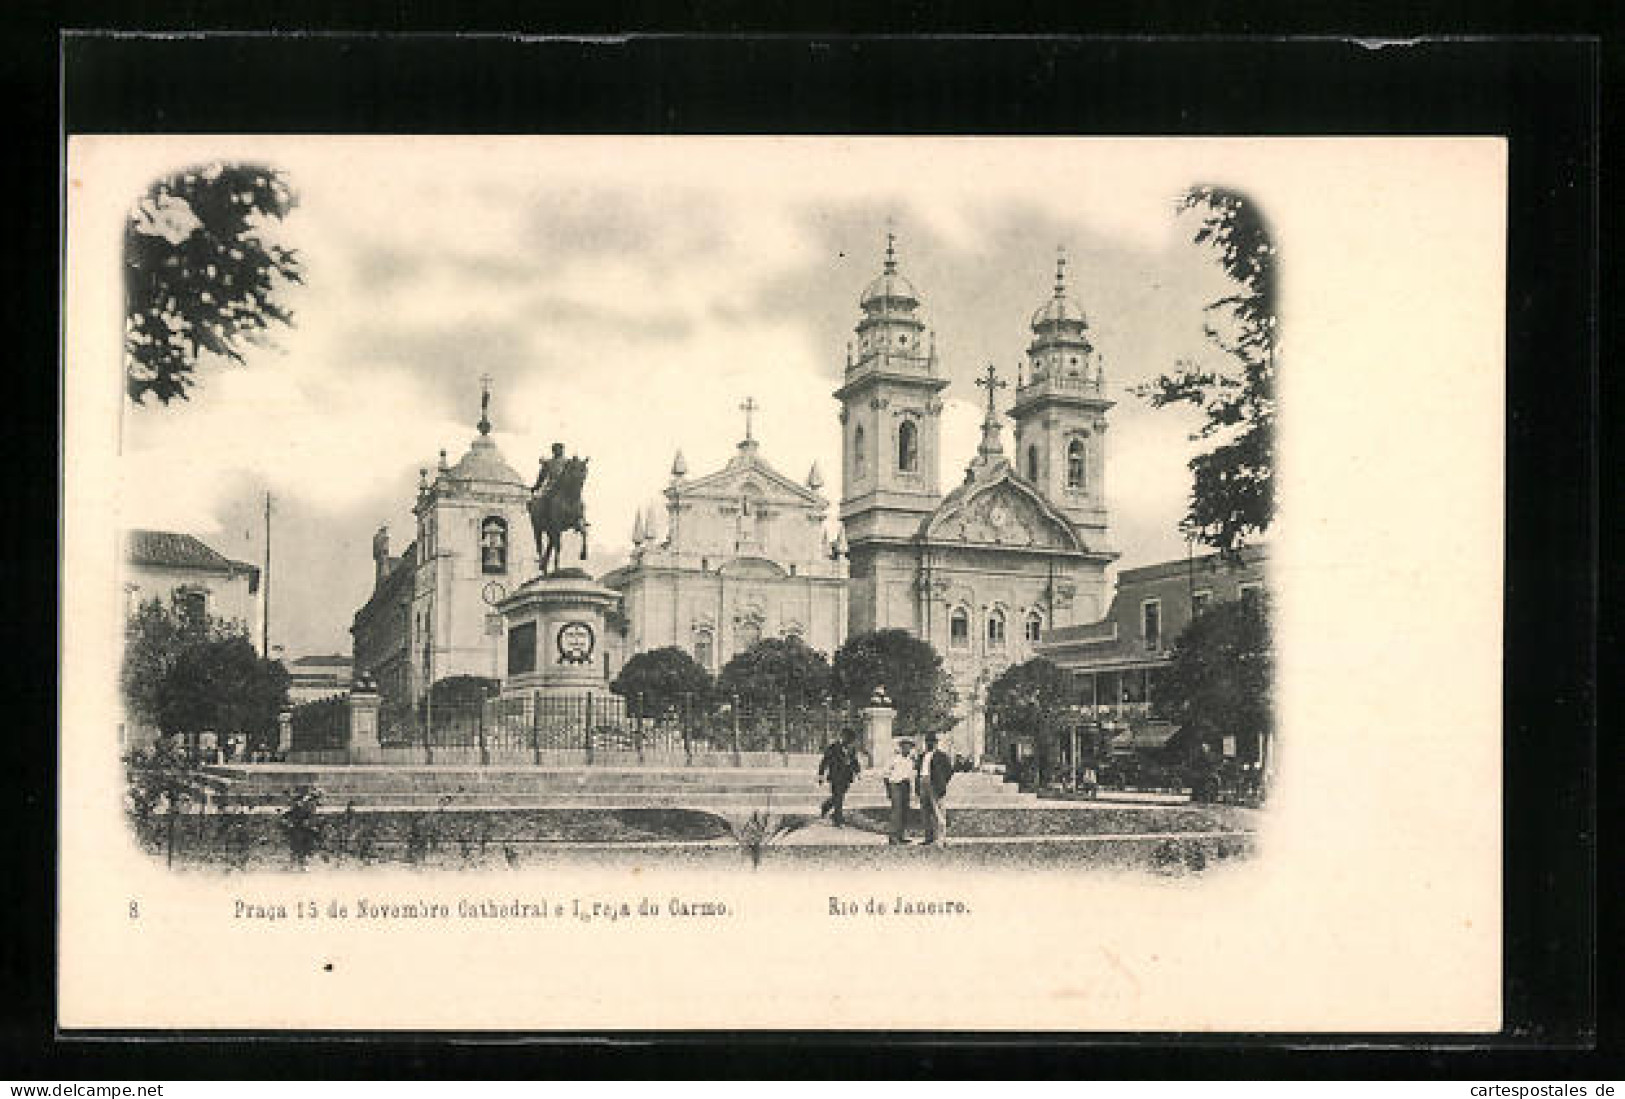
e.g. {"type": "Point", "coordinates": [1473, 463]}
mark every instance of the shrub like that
{"type": "Point", "coordinates": [301, 824]}
{"type": "Point", "coordinates": [661, 679]}
{"type": "Point", "coordinates": [909, 670]}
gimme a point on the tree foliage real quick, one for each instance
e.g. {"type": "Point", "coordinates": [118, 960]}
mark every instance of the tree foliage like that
{"type": "Point", "coordinates": [662, 678]}
{"type": "Point", "coordinates": [908, 668]}
{"type": "Point", "coordinates": [1233, 480]}
{"type": "Point", "coordinates": [463, 690]}
{"type": "Point", "coordinates": [1026, 698]}
{"type": "Point", "coordinates": [774, 669]}
{"type": "Point", "coordinates": [154, 637]}
{"type": "Point", "coordinates": [1221, 678]}
{"type": "Point", "coordinates": [224, 686]}
{"type": "Point", "coordinates": [1029, 700]}
{"type": "Point", "coordinates": [160, 777]}
{"type": "Point", "coordinates": [200, 276]}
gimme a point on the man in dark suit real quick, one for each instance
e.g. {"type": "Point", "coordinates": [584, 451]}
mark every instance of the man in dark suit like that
{"type": "Point", "coordinates": [839, 766]}
{"type": "Point", "coordinates": [933, 771]}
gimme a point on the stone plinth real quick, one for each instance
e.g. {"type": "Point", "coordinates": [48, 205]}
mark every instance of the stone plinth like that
{"type": "Point", "coordinates": [364, 708]}
{"type": "Point", "coordinates": [877, 722]}
{"type": "Point", "coordinates": [553, 635]}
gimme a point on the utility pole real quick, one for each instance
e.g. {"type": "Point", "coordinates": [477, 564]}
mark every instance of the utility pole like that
{"type": "Point", "coordinates": [265, 579]}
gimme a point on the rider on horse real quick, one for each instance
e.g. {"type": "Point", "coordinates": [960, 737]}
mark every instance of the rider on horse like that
{"type": "Point", "coordinates": [548, 474]}
{"type": "Point", "coordinates": [555, 505]}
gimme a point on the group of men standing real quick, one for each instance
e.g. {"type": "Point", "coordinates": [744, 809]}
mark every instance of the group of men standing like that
{"type": "Point", "coordinates": [924, 774]}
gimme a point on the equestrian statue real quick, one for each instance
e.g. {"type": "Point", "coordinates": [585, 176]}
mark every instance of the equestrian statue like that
{"type": "Point", "coordinates": [555, 506]}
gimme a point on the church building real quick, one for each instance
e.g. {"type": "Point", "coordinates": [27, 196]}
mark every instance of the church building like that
{"type": "Point", "coordinates": [1016, 548]}
{"type": "Point", "coordinates": [431, 614]}
{"type": "Point", "coordinates": [745, 555]}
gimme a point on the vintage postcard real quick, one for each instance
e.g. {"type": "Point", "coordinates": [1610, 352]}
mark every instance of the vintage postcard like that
{"type": "Point", "coordinates": [606, 583]}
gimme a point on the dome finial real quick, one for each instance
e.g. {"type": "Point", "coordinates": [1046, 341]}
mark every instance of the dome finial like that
{"type": "Point", "coordinates": [1060, 270]}
{"type": "Point", "coordinates": [891, 252]}
{"type": "Point", "coordinates": [485, 404]}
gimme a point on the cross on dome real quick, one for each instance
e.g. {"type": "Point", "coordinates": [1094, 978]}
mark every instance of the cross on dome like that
{"type": "Point", "coordinates": [748, 407]}
{"type": "Point", "coordinates": [990, 382]}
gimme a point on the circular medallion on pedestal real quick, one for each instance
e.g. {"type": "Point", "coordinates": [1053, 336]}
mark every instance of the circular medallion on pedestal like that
{"type": "Point", "coordinates": [575, 642]}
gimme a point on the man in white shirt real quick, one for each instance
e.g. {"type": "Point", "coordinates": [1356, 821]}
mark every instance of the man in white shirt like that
{"type": "Point", "coordinates": [899, 782]}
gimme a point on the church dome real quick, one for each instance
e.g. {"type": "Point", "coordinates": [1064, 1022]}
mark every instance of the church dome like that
{"type": "Point", "coordinates": [890, 286]}
{"type": "Point", "coordinates": [1059, 309]}
{"type": "Point", "coordinates": [484, 462]}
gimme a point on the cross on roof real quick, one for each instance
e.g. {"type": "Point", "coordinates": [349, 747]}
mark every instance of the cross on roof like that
{"type": "Point", "coordinates": [485, 404]}
{"type": "Point", "coordinates": [990, 382]}
{"type": "Point", "coordinates": [747, 408]}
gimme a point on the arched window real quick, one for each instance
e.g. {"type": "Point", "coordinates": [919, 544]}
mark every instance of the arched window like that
{"type": "Point", "coordinates": [1035, 626]}
{"type": "Point", "coordinates": [1032, 463]}
{"type": "Point", "coordinates": [494, 544]}
{"type": "Point", "coordinates": [857, 449]}
{"type": "Point", "coordinates": [959, 628]}
{"type": "Point", "coordinates": [908, 447]}
{"type": "Point", "coordinates": [1075, 464]}
{"type": "Point", "coordinates": [702, 648]}
{"type": "Point", "coordinates": [746, 635]}
{"type": "Point", "coordinates": [995, 629]}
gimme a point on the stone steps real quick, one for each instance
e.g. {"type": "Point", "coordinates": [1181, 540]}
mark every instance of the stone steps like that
{"type": "Point", "coordinates": [723, 789]}
{"type": "Point", "coordinates": [722, 803]}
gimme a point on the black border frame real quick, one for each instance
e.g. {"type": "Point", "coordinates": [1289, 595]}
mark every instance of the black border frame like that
{"type": "Point", "coordinates": [1541, 92]}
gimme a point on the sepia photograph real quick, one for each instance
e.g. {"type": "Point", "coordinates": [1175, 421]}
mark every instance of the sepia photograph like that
{"type": "Point", "coordinates": [672, 564]}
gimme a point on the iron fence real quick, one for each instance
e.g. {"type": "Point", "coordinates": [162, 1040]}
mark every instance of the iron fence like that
{"type": "Point", "coordinates": [589, 728]}
{"type": "Point", "coordinates": [322, 725]}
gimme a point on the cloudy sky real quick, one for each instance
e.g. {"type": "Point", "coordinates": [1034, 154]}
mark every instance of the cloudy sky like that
{"type": "Point", "coordinates": [625, 296]}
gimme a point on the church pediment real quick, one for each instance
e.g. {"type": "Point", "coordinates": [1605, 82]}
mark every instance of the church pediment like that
{"type": "Point", "coordinates": [754, 478]}
{"type": "Point", "coordinates": [1001, 511]}
{"type": "Point", "coordinates": [752, 568]}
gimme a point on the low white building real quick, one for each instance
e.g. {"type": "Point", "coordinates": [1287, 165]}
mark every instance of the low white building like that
{"type": "Point", "coordinates": [183, 573]}
{"type": "Point", "coordinates": [196, 582]}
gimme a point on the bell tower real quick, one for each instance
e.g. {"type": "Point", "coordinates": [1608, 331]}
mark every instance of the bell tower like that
{"type": "Point", "coordinates": [1060, 414]}
{"type": "Point", "coordinates": [891, 415]}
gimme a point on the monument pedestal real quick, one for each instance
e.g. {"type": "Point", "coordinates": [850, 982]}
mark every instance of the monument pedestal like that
{"type": "Point", "coordinates": [878, 717]}
{"type": "Point", "coordinates": [554, 636]}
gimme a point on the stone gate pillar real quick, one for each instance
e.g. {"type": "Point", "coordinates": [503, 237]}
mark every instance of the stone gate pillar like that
{"type": "Point", "coordinates": [363, 746]}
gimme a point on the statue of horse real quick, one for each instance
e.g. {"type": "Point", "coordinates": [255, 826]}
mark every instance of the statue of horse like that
{"type": "Point", "coordinates": [557, 510]}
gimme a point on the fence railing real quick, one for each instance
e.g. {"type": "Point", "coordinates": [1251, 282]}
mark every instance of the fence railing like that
{"type": "Point", "coordinates": [322, 725]}
{"type": "Point", "coordinates": [594, 728]}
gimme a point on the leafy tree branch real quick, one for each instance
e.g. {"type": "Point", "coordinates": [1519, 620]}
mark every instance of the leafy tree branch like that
{"type": "Point", "coordinates": [200, 274]}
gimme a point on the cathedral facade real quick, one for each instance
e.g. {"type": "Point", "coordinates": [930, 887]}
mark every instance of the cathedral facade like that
{"type": "Point", "coordinates": [745, 555]}
{"type": "Point", "coordinates": [1018, 546]}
